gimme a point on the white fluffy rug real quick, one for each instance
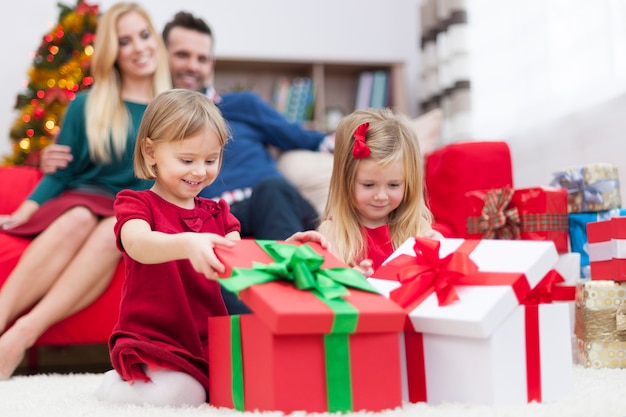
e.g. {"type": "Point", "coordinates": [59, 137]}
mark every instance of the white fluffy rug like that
{"type": "Point", "coordinates": [598, 393]}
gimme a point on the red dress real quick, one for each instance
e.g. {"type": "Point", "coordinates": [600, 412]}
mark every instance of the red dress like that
{"type": "Point", "coordinates": [379, 245]}
{"type": "Point", "coordinates": [164, 307]}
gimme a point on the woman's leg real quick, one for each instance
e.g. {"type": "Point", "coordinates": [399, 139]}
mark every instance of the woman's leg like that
{"type": "Point", "coordinates": [43, 261]}
{"type": "Point", "coordinates": [82, 281]}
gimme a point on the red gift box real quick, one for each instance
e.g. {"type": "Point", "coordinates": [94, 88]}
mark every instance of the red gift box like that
{"type": "Point", "coordinates": [536, 213]}
{"type": "Point", "coordinates": [289, 356]}
{"type": "Point", "coordinates": [607, 249]}
{"type": "Point", "coordinates": [457, 168]}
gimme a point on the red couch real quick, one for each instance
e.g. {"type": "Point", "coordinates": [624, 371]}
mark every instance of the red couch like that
{"type": "Point", "coordinates": [89, 326]}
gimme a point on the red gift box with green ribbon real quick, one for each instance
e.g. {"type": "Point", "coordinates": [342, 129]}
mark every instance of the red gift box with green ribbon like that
{"type": "Point", "coordinates": [482, 325]}
{"type": "Point", "coordinates": [535, 213]}
{"type": "Point", "coordinates": [320, 338]}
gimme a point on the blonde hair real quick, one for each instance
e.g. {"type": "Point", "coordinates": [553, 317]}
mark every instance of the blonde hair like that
{"type": "Point", "coordinates": [173, 116]}
{"type": "Point", "coordinates": [108, 121]}
{"type": "Point", "coordinates": [391, 139]}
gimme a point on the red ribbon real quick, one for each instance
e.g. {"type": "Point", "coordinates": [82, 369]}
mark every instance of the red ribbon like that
{"type": "Point", "coordinates": [425, 273]}
{"type": "Point", "coordinates": [84, 8]}
{"type": "Point", "coordinates": [360, 149]}
{"type": "Point", "coordinates": [544, 293]}
{"type": "Point", "coordinates": [61, 95]}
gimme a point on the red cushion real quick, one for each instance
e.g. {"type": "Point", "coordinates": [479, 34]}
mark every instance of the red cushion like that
{"type": "Point", "coordinates": [91, 325]}
{"type": "Point", "coordinates": [16, 183]}
{"type": "Point", "coordinates": [457, 168]}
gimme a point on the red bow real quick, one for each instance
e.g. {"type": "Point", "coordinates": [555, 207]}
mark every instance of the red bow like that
{"type": "Point", "coordinates": [425, 273]}
{"type": "Point", "coordinates": [84, 8]}
{"type": "Point", "coordinates": [547, 291]}
{"type": "Point", "coordinates": [498, 221]}
{"type": "Point", "coordinates": [61, 95]}
{"type": "Point", "coordinates": [360, 149]}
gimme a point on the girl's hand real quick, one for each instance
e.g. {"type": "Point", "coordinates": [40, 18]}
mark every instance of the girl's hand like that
{"type": "Point", "coordinates": [365, 267]}
{"type": "Point", "coordinates": [202, 255]}
{"type": "Point", "coordinates": [309, 236]}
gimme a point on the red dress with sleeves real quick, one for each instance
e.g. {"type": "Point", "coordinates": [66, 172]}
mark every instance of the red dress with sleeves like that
{"type": "Point", "coordinates": [164, 307]}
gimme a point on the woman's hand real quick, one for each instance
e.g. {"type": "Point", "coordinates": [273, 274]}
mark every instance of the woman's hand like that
{"type": "Point", "coordinates": [20, 216]}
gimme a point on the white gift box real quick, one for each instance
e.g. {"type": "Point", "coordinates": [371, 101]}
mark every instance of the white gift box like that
{"type": "Point", "coordinates": [486, 348]}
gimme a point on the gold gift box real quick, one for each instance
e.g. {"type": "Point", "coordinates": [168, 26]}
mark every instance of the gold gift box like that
{"type": "Point", "coordinates": [600, 324]}
{"type": "Point", "coordinates": [591, 188]}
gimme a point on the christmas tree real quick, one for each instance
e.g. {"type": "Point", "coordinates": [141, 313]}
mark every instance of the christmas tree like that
{"type": "Point", "coordinates": [59, 70]}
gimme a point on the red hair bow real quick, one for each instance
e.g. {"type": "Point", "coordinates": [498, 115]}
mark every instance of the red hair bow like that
{"type": "Point", "coordinates": [360, 149]}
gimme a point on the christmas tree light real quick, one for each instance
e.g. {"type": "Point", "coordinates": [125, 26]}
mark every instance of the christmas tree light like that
{"type": "Point", "coordinates": [59, 70]}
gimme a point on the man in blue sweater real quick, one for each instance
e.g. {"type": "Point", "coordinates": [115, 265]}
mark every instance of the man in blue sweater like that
{"type": "Point", "coordinates": [266, 204]}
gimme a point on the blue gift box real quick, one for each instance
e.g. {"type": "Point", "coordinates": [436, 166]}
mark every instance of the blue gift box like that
{"type": "Point", "coordinates": [577, 223]}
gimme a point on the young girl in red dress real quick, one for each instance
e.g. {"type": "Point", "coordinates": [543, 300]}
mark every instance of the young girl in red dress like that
{"type": "Point", "coordinates": [376, 195]}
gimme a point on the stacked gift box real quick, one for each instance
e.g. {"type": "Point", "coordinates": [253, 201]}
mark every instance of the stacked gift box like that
{"type": "Point", "coordinates": [593, 194]}
{"type": "Point", "coordinates": [596, 230]}
{"type": "Point", "coordinates": [601, 301]}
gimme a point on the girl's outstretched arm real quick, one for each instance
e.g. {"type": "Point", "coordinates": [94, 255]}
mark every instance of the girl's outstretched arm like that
{"type": "Point", "coordinates": [150, 247]}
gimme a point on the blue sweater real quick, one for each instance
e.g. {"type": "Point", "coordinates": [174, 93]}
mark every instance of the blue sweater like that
{"type": "Point", "coordinates": [254, 124]}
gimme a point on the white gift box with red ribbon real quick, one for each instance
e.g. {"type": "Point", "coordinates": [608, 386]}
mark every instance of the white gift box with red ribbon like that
{"type": "Point", "coordinates": [481, 327]}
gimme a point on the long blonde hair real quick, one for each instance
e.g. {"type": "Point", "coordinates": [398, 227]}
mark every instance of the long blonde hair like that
{"type": "Point", "coordinates": [108, 121]}
{"type": "Point", "coordinates": [391, 139]}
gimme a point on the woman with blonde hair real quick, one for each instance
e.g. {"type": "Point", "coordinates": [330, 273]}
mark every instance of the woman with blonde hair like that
{"type": "Point", "coordinates": [376, 195]}
{"type": "Point", "coordinates": [70, 213]}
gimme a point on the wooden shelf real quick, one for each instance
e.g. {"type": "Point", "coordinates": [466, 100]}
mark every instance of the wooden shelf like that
{"type": "Point", "coordinates": [336, 82]}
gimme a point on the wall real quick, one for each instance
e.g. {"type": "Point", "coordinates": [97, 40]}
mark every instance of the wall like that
{"type": "Point", "coordinates": [368, 30]}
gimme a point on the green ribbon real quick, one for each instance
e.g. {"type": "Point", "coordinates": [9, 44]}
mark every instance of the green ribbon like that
{"type": "Point", "coordinates": [237, 363]}
{"type": "Point", "coordinates": [301, 265]}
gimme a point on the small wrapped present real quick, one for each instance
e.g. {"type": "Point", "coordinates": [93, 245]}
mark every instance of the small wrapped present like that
{"type": "Point", "coordinates": [607, 249]}
{"type": "Point", "coordinates": [320, 338]}
{"type": "Point", "coordinates": [577, 225]}
{"type": "Point", "coordinates": [482, 328]}
{"type": "Point", "coordinates": [590, 188]}
{"type": "Point", "coordinates": [601, 324]}
{"type": "Point", "coordinates": [536, 213]}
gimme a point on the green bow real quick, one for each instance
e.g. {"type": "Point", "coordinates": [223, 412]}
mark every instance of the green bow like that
{"type": "Point", "coordinates": [302, 266]}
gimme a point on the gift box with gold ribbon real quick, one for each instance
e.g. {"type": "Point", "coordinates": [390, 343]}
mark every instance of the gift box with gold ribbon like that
{"type": "Point", "coordinates": [320, 338]}
{"type": "Point", "coordinates": [536, 213]}
{"type": "Point", "coordinates": [601, 324]}
{"type": "Point", "coordinates": [590, 188]}
{"type": "Point", "coordinates": [482, 326]}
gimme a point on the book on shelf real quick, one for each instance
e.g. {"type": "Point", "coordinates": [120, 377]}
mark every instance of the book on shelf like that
{"type": "Point", "coordinates": [380, 89]}
{"type": "Point", "coordinates": [300, 100]}
{"type": "Point", "coordinates": [364, 90]}
{"type": "Point", "coordinates": [281, 93]}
